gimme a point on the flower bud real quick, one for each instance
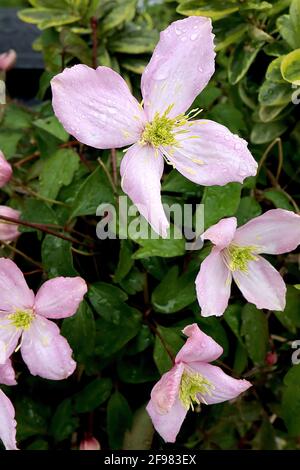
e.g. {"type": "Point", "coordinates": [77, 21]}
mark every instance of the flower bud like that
{"type": "Point", "coordinates": [5, 170]}
{"type": "Point", "coordinates": [271, 358]}
{"type": "Point", "coordinates": [89, 443]}
{"type": "Point", "coordinates": [8, 60]}
{"type": "Point", "coordinates": [8, 230]}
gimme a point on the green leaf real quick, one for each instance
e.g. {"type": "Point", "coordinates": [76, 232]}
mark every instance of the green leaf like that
{"type": "Point", "coordinates": [137, 369]}
{"type": "Point", "coordinates": [291, 401]}
{"type": "Point", "coordinates": [58, 171]}
{"type": "Point", "coordinates": [290, 317]}
{"type": "Point", "coordinates": [119, 420]}
{"type": "Point", "coordinates": [32, 417]}
{"type": "Point", "coordinates": [140, 435]}
{"type": "Point", "coordinates": [174, 292]}
{"type": "Point", "coordinates": [295, 21]}
{"type": "Point", "coordinates": [118, 14]}
{"type": "Point", "coordinates": [53, 126]}
{"type": "Point", "coordinates": [80, 332]}
{"type": "Point", "coordinates": [263, 133]}
{"type": "Point", "coordinates": [133, 282]}
{"type": "Point", "coordinates": [36, 211]}
{"type": "Point", "coordinates": [76, 46]}
{"type": "Point", "coordinates": [93, 395]}
{"type": "Point", "coordinates": [125, 262]}
{"type": "Point", "coordinates": [256, 333]}
{"type": "Point", "coordinates": [233, 36]}
{"type": "Point", "coordinates": [265, 438]}
{"type": "Point", "coordinates": [288, 30]}
{"type": "Point", "coordinates": [133, 41]}
{"type": "Point", "coordinates": [63, 423]}
{"type": "Point", "coordinates": [214, 10]}
{"type": "Point", "coordinates": [228, 115]}
{"type": "Point", "coordinates": [168, 341]}
{"type": "Point", "coordinates": [10, 139]}
{"type": "Point", "coordinates": [270, 113]}
{"type": "Point", "coordinates": [107, 300]}
{"type": "Point", "coordinates": [95, 190]}
{"type": "Point", "coordinates": [46, 17]}
{"type": "Point", "coordinates": [176, 183]}
{"type": "Point", "coordinates": [247, 210]}
{"type": "Point", "coordinates": [174, 245]}
{"type": "Point", "coordinates": [233, 317]}
{"type": "Point", "coordinates": [16, 117]}
{"type": "Point", "coordinates": [241, 60]}
{"type": "Point", "coordinates": [290, 67]}
{"type": "Point", "coordinates": [57, 257]}
{"type": "Point", "coordinates": [273, 72]}
{"type": "Point", "coordinates": [220, 202]}
{"type": "Point", "coordinates": [212, 327]}
{"type": "Point", "coordinates": [274, 94]}
{"type": "Point", "coordinates": [134, 64]}
{"type": "Point", "coordinates": [278, 198]}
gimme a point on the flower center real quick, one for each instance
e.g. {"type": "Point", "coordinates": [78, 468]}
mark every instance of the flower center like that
{"type": "Point", "coordinates": [21, 318]}
{"type": "Point", "coordinates": [192, 386]}
{"type": "Point", "coordinates": [239, 257]}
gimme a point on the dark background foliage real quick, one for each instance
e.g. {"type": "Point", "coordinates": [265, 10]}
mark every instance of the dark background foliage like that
{"type": "Point", "coordinates": [141, 294]}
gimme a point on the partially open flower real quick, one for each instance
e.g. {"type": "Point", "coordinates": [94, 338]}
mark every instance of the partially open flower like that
{"type": "Point", "coordinates": [8, 60]}
{"type": "Point", "coordinates": [190, 382]}
{"type": "Point", "coordinates": [89, 443]}
{"type": "Point", "coordinates": [5, 170]}
{"type": "Point", "coordinates": [8, 231]}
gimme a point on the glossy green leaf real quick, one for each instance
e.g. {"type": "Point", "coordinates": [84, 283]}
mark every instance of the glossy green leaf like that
{"type": "Point", "coordinates": [290, 67]}
{"type": "Point", "coordinates": [119, 419]}
{"type": "Point", "coordinates": [255, 332]}
{"type": "Point", "coordinates": [220, 202]}
{"type": "Point", "coordinates": [93, 395]}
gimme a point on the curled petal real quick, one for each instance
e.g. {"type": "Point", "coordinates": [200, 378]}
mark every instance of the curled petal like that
{"type": "Point", "coordinates": [7, 423]}
{"type": "Point", "coordinates": [198, 346]}
{"type": "Point", "coordinates": [181, 66]}
{"type": "Point", "coordinates": [213, 285]}
{"type": "Point", "coordinates": [7, 374]}
{"type": "Point", "coordinates": [223, 387]}
{"type": "Point", "coordinates": [46, 352]}
{"type": "Point", "coordinates": [96, 107]}
{"type": "Point", "coordinates": [209, 154]}
{"type": "Point", "coordinates": [167, 425]}
{"type": "Point", "coordinates": [60, 297]}
{"type": "Point", "coordinates": [222, 233]}
{"type": "Point", "coordinates": [5, 170]}
{"type": "Point", "coordinates": [141, 171]}
{"type": "Point", "coordinates": [262, 285]}
{"type": "Point", "coordinates": [14, 292]}
{"type": "Point", "coordinates": [165, 392]}
{"type": "Point", "coordinates": [275, 232]}
{"type": "Point", "coordinates": [8, 230]}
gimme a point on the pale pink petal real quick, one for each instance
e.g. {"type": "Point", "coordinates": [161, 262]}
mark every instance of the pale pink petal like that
{"type": "Point", "coordinates": [198, 346]}
{"type": "Point", "coordinates": [7, 374]}
{"type": "Point", "coordinates": [141, 171]}
{"type": "Point", "coordinates": [223, 388]}
{"type": "Point", "coordinates": [262, 285]}
{"type": "Point", "coordinates": [7, 423]}
{"type": "Point", "coordinates": [181, 66]}
{"type": "Point", "coordinates": [60, 297]}
{"type": "Point", "coordinates": [209, 154]}
{"type": "Point", "coordinates": [222, 233]}
{"type": "Point", "coordinates": [46, 352]}
{"type": "Point", "coordinates": [8, 230]}
{"type": "Point", "coordinates": [167, 425]}
{"type": "Point", "coordinates": [5, 170]}
{"type": "Point", "coordinates": [275, 232]}
{"type": "Point", "coordinates": [8, 60]}
{"type": "Point", "coordinates": [14, 292]}
{"type": "Point", "coordinates": [165, 392]}
{"type": "Point", "coordinates": [96, 107]}
{"type": "Point", "coordinates": [213, 285]}
{"type": "Point", "coordinates": [9, 337]}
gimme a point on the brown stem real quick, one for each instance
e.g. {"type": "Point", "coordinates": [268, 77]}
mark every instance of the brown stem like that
{"type": "Point", "coordinates": [37, 154]}
{"type": "Point", "coordinates": [94, 24]}
{"type": "Point", "coordinates": [19, 252]}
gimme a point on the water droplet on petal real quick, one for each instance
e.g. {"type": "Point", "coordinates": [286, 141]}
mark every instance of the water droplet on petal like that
{"type": "Point", "coordinates": [194, 36]}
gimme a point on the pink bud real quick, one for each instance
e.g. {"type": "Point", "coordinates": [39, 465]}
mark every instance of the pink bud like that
{"type": "Point", "coordinates": [5, 170]}
{"type": "Point", "coordinates": [89, 443]}
{"type": "Point", "coordinates": [8, 230]}
{"type": "Point", "coordinates": [271, 358]}
{"type": "Point", "coordinates": [8, 60]}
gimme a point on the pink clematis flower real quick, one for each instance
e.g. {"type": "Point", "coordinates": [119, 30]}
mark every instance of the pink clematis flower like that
{"type": "Point", "coordinates": [24, 315]}
{"type": "Point", "coordinates": [8, 60]}
{"type": "Point", "coordinates": [5, 170]}
{"type": "Point", "coordinates": [236, 255]}
{"type": "Point", "coordinates": [7, 412]}
{"type": "Point", "coordinates": [8, 230]}
{"type": "Point", "coordinates": [97, 108]}
{"type": "Point", "coordinates": [191, 381]}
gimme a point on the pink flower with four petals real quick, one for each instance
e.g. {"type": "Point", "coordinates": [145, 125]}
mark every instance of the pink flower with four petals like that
{"type": "Point", "coordinates": [191, 381]}
{"type": "Point", "coordinates": [236, 255]}
{"type": "Point", "coordinates": [97, 108]}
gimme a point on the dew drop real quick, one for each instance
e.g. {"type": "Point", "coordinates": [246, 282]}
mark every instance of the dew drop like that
{"type": "Point", "coordinates": [194, 36]}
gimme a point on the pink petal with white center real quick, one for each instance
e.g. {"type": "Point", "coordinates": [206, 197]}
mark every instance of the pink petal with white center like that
{"type": "Point", "coordinates": [5, 170]}
{"type": "Point", "coordinates": [46, 352]}
{"type": "Point", "coordinates": [262, 285]}
{"type": "Point", "coordinates": [9, 337]}
{"type": "Point", "coordinates": [223, 388]}
{"type": "Point", "coordinates": [60, 297]}
{"type": "Point", "coordinates": [8, 230]}
{"type": "Point", "coordinates": [213, 285]}
{"type": "Point", "coordinates": [222, 233]}
{"type": "Point", "coordinates": [14, 292]}
{"type": "Point", "coordinates": [209, 154]}
{"type": "Point", "coordinates": [275, 232]}
{"type": "Point", "coordinates": [165, 392]}
{"type": "Point", "coordinates": [141, 171]}
{"type": "Point", "coordinates": [96, 107]}
{"type": "Point", "coordinates": [7, 374]}
{"type": "Point", "coordinates": [167, 425]}
{"type": "Point", "coordinates": [7, 423]}
{"type": "Point", "coordinates": [180, 68]}
{"type": "Point", "coordinates": [198, 346]}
